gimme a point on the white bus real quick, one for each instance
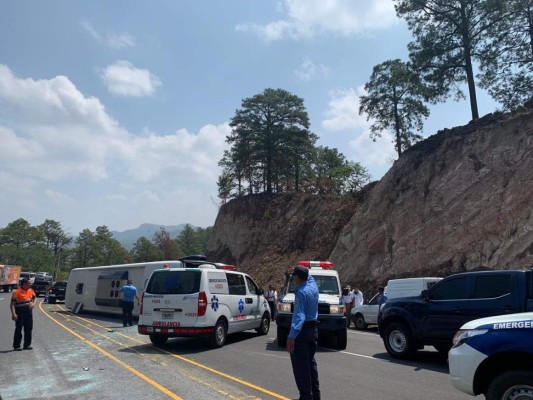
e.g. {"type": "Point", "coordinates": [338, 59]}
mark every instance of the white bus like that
{"type": "Point", "coordinates": [97, 288]}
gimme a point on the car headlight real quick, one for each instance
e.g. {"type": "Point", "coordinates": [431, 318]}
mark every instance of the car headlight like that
{"type": "Point", "coordinates": [462, 335]}
{"type": "Point", "coordinates": [284, 307]}
{"type": "Point", "coordinates": [336, 309]}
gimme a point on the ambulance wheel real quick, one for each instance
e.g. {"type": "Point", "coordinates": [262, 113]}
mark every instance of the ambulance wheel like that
{"type": "Point", "coordinates": [283, 333]}
{"type": "Point", "coordinates": [158, 340]}
{"type": "Point", "coordinates": [342, 339]}
{"type": "Point", "coordinates": [219, 335]}
{"type": "Point", "coordinates": [511, 385]}
{"type": "Point", "coordinates": [399, 341]}
{"type": "Point", "coordinates": [265, 325]}
{"type": "Point", "coordinates": [359, 322]}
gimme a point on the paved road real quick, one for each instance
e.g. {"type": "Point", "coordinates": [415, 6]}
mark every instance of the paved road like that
{"type": "Point", "coordinates": [93, 357]}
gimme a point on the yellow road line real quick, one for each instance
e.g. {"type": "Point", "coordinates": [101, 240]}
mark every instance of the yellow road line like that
{"type": "Point", "coordinates": [112, 357]}
{"type": "Point", "coordinates": [189, 376]}
{"type": "Point", "coordinates": [214, 371]}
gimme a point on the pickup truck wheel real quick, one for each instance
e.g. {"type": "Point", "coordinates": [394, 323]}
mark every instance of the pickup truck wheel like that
{"type": "Point", "coordinates": [359, 322]}
{"type": "Point", "coordinates": [511, 385]}
{"type": "Point", "coordinates": [265, 325]}
{"type": "Point", "coordinates": [399, 341]}
{"type": "Point", "coordinates": [283, 333]}
{"type": "Point", "coordinates": [342, 339]}
{"type": "Point", "coordinates": [218, 337]}
{"type": "Point", "coordinates": [158, 340]}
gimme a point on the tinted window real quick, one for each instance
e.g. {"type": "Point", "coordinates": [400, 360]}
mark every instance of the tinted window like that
{"type": "Point", "coordinates": [174, 282]}
{"type": "Point", "coordinates": [491, 286]}
{"type": "Point", "coordinates": [60, 284]}
{"type": "Point", "coordinates": [374, 300]}
{"type": "Point", "coordinates": [252, 287]}
{"type": "Point", "coordinates": [236, 284]}
{"type": "Point", "coordinates": [453, 289]}
{"type": "Point", "coordinates": [326, 285]}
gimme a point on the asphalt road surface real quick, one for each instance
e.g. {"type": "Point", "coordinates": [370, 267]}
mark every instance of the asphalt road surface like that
{"type": "Point", "coordinates": [91, 356]}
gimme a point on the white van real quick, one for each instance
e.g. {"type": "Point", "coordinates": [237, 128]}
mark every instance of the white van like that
{"type": "Point", "coordinates": [203, 302]}
{"type": "Point", "coordinates": [367, 314]}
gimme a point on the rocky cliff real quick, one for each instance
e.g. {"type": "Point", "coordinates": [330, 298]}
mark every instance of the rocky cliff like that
{"type": "Point", "coordinates": [264, 235]}
{"type": "Point", "coordinates": [460, 200]}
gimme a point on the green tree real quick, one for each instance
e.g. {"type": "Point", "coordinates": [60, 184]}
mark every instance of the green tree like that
{"type": "Point", "coordinates": [167, 246]}
{"type": "Point", "coordinates": [24, 244]}
{"type": "Point", "coordinates": [56, 240]}
{"type": "Point", "coordinates": [449, 36]}
{"type": "Point", "coordinates": [395, 102]}
{"type": "Point", "coordinates": [84, 249]}
{"type": "Point", "coordinates": [335, 175]}
{"type": "Point", "coordinates": [267, 129]}
{"type": "Point", "coordinates": [507, 63]}
{"type": "Point", "coordinates": [144, 251]}
{"type": "Point", "coordinates": [108, 250]}
{"type": "Point", "coordinates": [188, 241]}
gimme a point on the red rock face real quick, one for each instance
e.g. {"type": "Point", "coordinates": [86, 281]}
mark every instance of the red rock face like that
{"type": "Point", "coordinates": [461, 200]}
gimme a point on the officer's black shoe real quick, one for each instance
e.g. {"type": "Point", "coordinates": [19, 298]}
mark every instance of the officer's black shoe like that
{"type": "Point", "coordinates": [28, 348]}
{"type": "Point", "coordinates": [17, 349]}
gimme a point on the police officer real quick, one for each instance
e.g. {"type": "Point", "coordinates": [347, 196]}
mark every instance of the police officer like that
{"type": "Point", "coordinates": [303, 336]}
{"type": "Point", "coordinates": [129, 292]}
{"type": "Point", "coordinates": [22, 303]}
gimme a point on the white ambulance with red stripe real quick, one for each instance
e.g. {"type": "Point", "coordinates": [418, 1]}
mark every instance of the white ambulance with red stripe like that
{"type": "Point", "coordinates": [331, 316]}
{"type": "Point", "coordinates": [210, 301]}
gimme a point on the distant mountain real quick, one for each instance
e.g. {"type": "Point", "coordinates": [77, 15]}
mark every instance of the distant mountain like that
{"type": "Point", "coordinates": [128, 237]}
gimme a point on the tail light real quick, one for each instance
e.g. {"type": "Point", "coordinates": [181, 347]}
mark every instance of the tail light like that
{"type": "Point", "coordinates": [142, 304]}
{"type": "Point", "coordinates": [202, 304]}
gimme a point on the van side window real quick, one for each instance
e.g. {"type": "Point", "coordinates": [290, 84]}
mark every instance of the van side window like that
{"type": "Point", "coordinates": [236, 284]}
{"type": "Point", "coordinates": [490, 287]}
{"type": "Point", "coordinates": [453, 289]}
{"type": "Point", "coordinates": [374, 300]}
{"type": "Point", "coordinates": [252, 287]}
{"type": "Point", "coordinates": [79, 288]}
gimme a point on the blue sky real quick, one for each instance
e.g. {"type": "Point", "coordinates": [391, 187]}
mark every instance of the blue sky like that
{"type": "Point", "coordinates": [116, 113]}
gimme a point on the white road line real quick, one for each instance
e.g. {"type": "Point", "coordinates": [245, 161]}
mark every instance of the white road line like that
{"type": "Point", "coordinates": [349, 353]}
{"type": "Point", "coordinates": [363, 333]}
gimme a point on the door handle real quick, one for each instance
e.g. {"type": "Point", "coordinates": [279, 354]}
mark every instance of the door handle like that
{"type": "Point", "coordinates": [249, 300]}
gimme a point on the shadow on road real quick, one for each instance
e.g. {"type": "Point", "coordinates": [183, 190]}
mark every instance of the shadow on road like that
{"type": "Point", "coordinates": [424, 360]}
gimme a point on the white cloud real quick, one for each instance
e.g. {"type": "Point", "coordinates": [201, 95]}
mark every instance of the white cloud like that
{"type": "Point", "coordinates": [343, 111]}
{"type": "Point", "coordinates": [115, 40]}
{"type": "Point", "coordinates": [124, 79]}
{"type": "Point", "coordinates": [306, 18]}
{"type": "Point", "coordinates": [60, 147]}
{"type": "Point", "coordinates": [308, 70]}
{"type": "Point", "coordinates": [343, 115]}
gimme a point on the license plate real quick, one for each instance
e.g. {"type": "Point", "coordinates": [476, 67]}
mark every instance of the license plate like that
{"type": "Point", "coordinates": [167, 315]}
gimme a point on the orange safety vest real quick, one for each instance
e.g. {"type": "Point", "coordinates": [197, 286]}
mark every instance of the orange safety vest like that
{"type": "Point", "coordinates": [23, 297]}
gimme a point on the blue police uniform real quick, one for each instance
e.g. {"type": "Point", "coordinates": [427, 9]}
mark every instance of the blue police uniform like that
{"type": "Point", "coordinates": [129, 292]}
{"type": "Point", "coordinates": [305, 334]}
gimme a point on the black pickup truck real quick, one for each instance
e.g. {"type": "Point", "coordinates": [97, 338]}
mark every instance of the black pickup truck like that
{"type": "Point", "coordinates": [57, 292]}
{"type": "Point", "coordinates": [41, 286]}
{"type": "Point", "coordinates": [433, 318]}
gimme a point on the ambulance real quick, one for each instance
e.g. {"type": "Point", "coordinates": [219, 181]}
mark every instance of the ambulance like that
{"type": "Point", "coordinates": [331, 317]}
{"type": "Point", "coordinates": [208, 301]}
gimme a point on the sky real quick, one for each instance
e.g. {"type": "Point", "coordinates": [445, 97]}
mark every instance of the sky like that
{"type": "Point", "coordinates": [116, 113]}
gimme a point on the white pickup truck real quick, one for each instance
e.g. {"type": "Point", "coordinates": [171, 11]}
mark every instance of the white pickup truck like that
{"type": "Point", "coordinates": [367, 314]}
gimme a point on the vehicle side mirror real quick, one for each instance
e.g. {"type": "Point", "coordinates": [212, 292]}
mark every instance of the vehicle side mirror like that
{"type": "Point", "coordinates": [425, 294]}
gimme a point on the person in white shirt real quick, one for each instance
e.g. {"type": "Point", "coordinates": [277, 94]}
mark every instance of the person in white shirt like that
{"type": "Point", "coordinates": [359, 300]}
{"type": "Point", "coordinates": [272, 297]}
{"type": "Point", "coordinates": [348, 299]}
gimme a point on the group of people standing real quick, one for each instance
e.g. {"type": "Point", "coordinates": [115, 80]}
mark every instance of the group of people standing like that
{"type": "Point", "coordinates": [351, 298]}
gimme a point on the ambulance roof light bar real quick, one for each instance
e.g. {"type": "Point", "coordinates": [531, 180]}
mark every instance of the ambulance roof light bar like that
{"type": "Point", "coordinates": [227, 267]}
{"type": "Point", "coordinates": [316, 264]}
